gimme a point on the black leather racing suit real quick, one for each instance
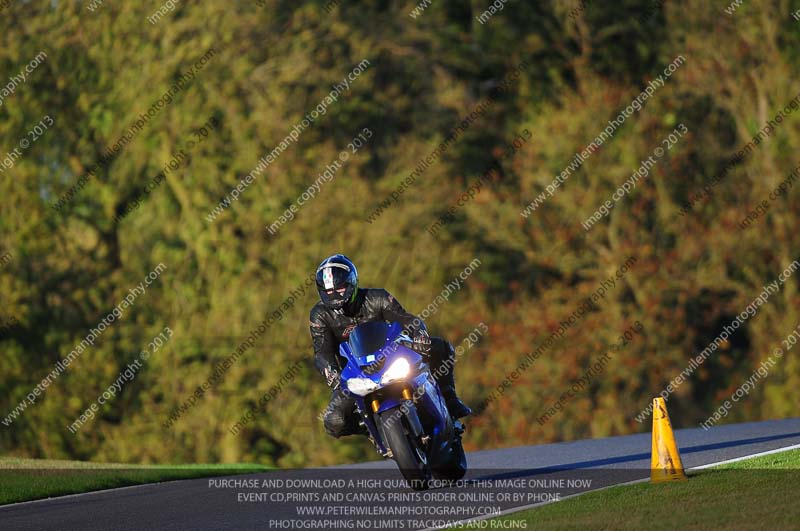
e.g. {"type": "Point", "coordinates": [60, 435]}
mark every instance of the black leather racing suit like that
{"type": "Point", "coordinates": [331, 327]}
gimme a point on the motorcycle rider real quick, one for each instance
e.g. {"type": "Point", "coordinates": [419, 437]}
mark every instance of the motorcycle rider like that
{"type": "Point", "coordinates": [342, 307]}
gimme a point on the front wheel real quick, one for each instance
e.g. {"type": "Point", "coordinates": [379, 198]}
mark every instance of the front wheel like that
{"type": "Point", "coordinates": [406, 451]}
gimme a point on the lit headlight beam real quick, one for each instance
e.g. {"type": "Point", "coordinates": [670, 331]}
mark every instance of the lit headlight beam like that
{"type": "Point", "coordinates": [361, 386]}
{"type": "Point", "coordinates": [396, 371]}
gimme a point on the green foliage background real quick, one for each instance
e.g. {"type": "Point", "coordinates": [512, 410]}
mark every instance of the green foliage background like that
{"type": "Point", "coordinates": [272, 66]}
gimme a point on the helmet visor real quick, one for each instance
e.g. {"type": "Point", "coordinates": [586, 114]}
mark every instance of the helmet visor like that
{"type": "Point", "coordinates": [332, 276]}
{"type": "Point", "coordinates": [334, 282]}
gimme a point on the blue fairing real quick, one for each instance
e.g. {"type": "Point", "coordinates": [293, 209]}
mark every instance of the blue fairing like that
{"type": "Point", "coordinates": [374, 347]}
{"type": "Point", "coordinates": [368, 339]}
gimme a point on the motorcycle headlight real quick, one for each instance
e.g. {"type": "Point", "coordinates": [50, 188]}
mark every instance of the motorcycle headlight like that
{"type": "Point", "coordinates": [396, 371]}
{"type": "Point", "coordinates": [361, 386]}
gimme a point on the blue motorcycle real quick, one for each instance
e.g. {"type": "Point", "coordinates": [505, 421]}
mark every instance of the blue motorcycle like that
{"type": "Point", "coordinates": [400, 404]}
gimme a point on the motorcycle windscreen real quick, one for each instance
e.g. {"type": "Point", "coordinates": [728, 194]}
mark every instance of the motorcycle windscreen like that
{"type": "Point", "coordinates": [368, 338]}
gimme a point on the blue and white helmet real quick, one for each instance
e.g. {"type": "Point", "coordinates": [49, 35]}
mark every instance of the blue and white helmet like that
{"type": "Point", "coordinates": [337, 281]}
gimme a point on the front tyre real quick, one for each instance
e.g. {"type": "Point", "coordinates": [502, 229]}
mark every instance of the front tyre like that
{"type": "Point", "coordinates": [406, 450]}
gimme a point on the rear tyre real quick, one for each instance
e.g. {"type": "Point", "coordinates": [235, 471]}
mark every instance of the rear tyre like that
{"type": "Point", "coordinates": [406, 451]}
{"type": "Point", "coordinates": [456, 467]}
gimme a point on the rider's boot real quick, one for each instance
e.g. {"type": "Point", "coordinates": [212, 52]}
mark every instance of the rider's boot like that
{"type": "Point", "coordinates": [447, 384]}
{"type": "Point", "coordinates": [455, 406]}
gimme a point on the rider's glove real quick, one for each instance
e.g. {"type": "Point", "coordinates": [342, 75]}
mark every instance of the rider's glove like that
{"type": "Point", "coordinates": [422, 341]}
{"type": "Point", "coordinates": [331, 377]}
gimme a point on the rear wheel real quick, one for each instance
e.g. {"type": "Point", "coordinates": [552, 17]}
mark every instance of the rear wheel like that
{"type": "Point", "coordinates": [406, 450]}
{"type": "Point", "coordinates": [456, 466]}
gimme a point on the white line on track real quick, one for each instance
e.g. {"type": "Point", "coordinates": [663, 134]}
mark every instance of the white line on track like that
{"type": "Point", "coordinates": [91, 492]}
{"type": "Point", "coordinates": [775, 451]}
{"type": "Point", "coordinates": [634, 482]}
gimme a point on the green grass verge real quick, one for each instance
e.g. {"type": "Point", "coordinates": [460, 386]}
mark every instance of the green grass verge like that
{"type": "Point", "coordinates": [33, 479]}
{"type": "Point", "coordinates": [758, 493]}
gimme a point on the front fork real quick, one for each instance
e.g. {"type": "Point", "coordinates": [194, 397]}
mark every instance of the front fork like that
{"type": "Point", "coordinates": [406, 409]}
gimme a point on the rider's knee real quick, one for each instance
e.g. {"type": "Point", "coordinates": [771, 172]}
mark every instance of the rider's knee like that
{"type": "Point", "coordinates": [441, 349]}
{"type": "Point", "coordinates": [451, 351]}
{"type": "Point", "coordinates": [335, 424]}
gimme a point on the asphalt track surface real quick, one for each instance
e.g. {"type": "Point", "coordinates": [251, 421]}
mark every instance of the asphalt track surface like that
{"type": "Point", "coordinates": [200, 505]}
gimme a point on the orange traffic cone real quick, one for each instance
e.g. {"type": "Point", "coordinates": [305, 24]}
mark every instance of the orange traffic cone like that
{"type": "Point", "coordinates": [665, 463]}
